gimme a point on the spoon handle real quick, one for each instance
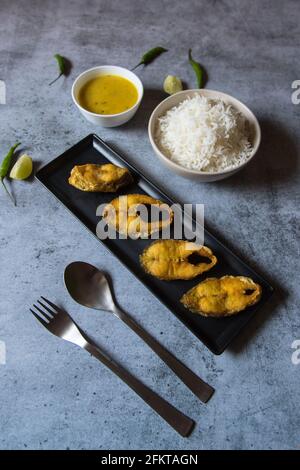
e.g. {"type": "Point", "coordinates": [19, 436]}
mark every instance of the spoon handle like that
{"type": "Point", "coordinates": [175, 418]}
{"type": "Point", "coordinates": [200, 388]}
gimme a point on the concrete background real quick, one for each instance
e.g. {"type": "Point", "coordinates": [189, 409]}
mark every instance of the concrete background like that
{"type": "Point", "coordinates": [53, 396]}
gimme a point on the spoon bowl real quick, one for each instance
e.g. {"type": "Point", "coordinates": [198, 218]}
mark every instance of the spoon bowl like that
{"type": "Point", "coordinates": [88, 286]}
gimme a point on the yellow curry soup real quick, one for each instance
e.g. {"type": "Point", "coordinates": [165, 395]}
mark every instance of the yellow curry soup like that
{"type": "Point", "coordinates": [108, 94]}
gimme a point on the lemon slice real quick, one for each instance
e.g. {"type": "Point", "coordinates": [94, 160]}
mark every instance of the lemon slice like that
{"type": "Point", "coordinates": [22, 169]}
{"type": "Point", "coordinates": [172, 84]}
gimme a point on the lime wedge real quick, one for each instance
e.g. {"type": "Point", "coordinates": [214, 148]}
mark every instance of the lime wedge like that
{"type": "Point", "coordinates": [22, 169]}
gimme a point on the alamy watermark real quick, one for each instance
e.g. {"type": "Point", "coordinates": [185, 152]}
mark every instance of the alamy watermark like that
{"type": "Point", "coordinates": [295, 97]}
{"type": "Point", "coordinates": [2, 353]}
{"type": "Point", "coordinates": [296, 354]}
{"type": "Point", "coordinates": [2, 92]}
{"type": "Point", "coordinates": [150, 221]}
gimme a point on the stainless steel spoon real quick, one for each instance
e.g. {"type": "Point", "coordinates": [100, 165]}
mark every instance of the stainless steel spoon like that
{"type": "Point", "coordinates": [89, 287]}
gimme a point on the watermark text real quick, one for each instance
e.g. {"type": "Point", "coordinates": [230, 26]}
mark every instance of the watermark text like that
{"type": "Point", "coordinates": [2, 353]}
{"type": "Point", "coordinates": [295, 97]}
{"type": "Point", "coordinates": [296, 354]}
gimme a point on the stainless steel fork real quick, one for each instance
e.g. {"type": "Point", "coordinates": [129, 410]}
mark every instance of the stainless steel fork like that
{"type": "Point", "coordinates": [59, 323]}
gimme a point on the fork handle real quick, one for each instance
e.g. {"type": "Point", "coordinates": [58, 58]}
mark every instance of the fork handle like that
{"type": "Point", "coordinates": [200, 388]}
{"type": "Point", "coordinates": [181, 423]}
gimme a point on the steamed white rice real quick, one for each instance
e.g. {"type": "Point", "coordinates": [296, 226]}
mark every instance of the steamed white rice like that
{"type": "Point", "coordinates": [204, 134]}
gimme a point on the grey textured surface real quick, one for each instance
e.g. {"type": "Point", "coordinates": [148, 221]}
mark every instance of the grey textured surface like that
{"type": "Point", "coordinates": [52, 394]}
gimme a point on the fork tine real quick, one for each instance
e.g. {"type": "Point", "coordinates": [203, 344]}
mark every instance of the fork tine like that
{"type": "Point", "coordinates": [47, 308]}
{"type": "Point", "coordinates": [39, 318]}
{"type": "Point", "coordinates": [42, 313]}
{"type": "Point", "coordinates": [55, 307]}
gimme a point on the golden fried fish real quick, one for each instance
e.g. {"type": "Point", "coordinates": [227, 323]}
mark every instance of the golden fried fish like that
{"type": "Point", "coordinates": [130, 215]}
{"type": "Point", "coordinates": [106, 178]}
{"type": "Point", "coordinates": [222, 297]}
{"type": "Point", "coordinates": [176, 259]}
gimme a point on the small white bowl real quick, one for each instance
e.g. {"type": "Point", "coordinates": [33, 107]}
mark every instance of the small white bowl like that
{"type": "Point", "coordinates": [203, 176]}
{"type": "Point", "coordinates": [107, 120]}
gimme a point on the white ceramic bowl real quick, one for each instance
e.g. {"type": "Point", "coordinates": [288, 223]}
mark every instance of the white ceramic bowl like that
{"type": "Point", "coordinates": [174, 100]}
{"type": "Point", "coordinates": [107, 120]}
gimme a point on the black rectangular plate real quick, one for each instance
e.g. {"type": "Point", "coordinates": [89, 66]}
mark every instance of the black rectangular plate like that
{"type": "Point", "coordinates": [216, 334]}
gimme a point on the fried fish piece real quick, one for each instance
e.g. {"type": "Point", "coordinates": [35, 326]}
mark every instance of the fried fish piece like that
{"type": "Point", "coordinates": [222, 297]}
{"type": "Point", "coordinates": [106, 178]}
{"type": "Point", "coordinates": [176, 259]}
{"type": "Point", "coordinates": [129, 215]}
